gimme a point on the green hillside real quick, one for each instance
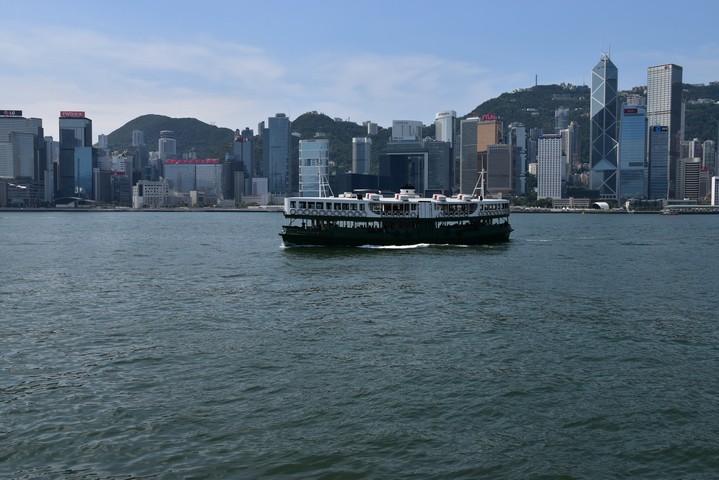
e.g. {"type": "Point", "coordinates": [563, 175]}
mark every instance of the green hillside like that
{"type": "Point", "coordinates": [208, 141]}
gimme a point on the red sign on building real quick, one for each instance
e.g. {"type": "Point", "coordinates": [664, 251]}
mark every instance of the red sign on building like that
{"type": "Point", "coordinates": [69, 114]}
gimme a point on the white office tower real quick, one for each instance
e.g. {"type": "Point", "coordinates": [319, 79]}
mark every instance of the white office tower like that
{"type": "Point", "coordinates": [444, 126]}
{"type": "Point", "coordinates": [550, 167]}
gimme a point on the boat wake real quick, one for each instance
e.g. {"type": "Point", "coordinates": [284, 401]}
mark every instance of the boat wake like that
{"type": "Point", "coordinates": [410, 247]}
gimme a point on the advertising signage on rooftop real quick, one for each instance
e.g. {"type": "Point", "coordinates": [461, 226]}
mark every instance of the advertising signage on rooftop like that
{"type": "Point", "coordinates": [69, 114]}
{"type": "Point", "coordinates": [489, 116]}
{"type": "Point", "coordinates": [10, 113]}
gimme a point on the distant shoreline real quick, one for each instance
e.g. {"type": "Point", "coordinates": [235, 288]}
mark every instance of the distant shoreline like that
{"type": "Point", "coordinates": [141, 210]}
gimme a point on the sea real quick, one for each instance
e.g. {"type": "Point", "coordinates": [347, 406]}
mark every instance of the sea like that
{"type": "Point", "coordinates": [193, 345]}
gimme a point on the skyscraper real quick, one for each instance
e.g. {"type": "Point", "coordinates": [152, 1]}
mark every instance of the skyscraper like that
{"type": "Point", "coordinates": [517, 139]}
{"type": "Point", "coordinates": [632, 152]}
{"type": "Point", "coordinates": [561, 119]}
{"type": "Point", "coordinates": [468, 155]}
{"type": "Point", "coordinates": [444, 126]}
{"type": "Point", "coordinates": [276, 154]}
{"type": "Point", "coordinates": [499, 170]}
{"type": "Point", "coordinates": [361, 155]}
{"type": "Point", "coordinates": [167, 145]}
{"type": "Point", "coordinates": [76, 156]}
{"type": "Point", "coordinates": [550, 167]}
{"type": "Point", "coordinates": [22, 146]}
{"type": "Point", "coordinates": [658, 162]}
{"type": "Point", "coordinates": [138, 138]}
{"type": "Point", "coordinates": [477, 135]}
{"type": "Point", "coordinates": [314, 167]}
{"type": "Point", "coordinates": [664, 108]}
{"type": "Point", "coordinates": [603, 132]}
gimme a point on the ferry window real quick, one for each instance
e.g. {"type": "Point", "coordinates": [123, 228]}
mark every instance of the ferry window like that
{"type": "Point", "coordinates": [353, 206]}
{"type": "Point", "coordinates": [345, 206]}
{"type": "Point", "coordinates": [310, 204]}
{"type": "Point", "coordinates": [361, 207]}
{"type": "Point", "coordinates": [303, 204]}
{"type": "Point", "coordinates": [329, 206]}
{"type": "Point", "coordinates": [292, 204]}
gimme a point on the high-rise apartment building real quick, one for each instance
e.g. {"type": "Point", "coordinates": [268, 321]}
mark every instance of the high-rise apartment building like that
{"type": "Point", "coordinates": [77, 158]}
{"type": "Point", "coordinates": [664, 108]}
{"type": "Point", "coordinates": [632, 152]}
{"type": "Point", "coordinates": [603, 130]}
{"type": "Point", "coordinates": [314, 168]}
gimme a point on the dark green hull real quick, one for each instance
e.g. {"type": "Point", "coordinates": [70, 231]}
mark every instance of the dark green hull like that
{"type": "Point", "coordinates": [407, 233]}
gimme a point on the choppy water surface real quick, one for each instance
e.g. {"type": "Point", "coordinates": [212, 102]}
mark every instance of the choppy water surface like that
{"type": "Point", "coordinates": [192, 345]}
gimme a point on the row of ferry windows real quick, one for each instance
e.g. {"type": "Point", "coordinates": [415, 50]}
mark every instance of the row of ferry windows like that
{"type": "Point", "coordinates": [326, 205]}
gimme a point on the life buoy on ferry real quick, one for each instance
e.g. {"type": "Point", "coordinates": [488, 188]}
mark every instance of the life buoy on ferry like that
{"type": "Point", "coordinates": [413, 214]}
{"type": "Point", "coordinates": [314, 212]}
{"type": "Point", "coordinates": [364, 214]}
{"type": "Point", "coordinates": [292, 211]}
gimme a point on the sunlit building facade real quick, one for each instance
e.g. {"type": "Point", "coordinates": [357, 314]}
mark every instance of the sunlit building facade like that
{"type": "Point", "coordinates": [664, 108]}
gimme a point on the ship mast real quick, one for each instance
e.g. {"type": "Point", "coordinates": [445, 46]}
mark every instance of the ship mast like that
{"type": "Point", "coordinates": [479, 187]}
{"type": "Point", "coordinates": [324, 184]}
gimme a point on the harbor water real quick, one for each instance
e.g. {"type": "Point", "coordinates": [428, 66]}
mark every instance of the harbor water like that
{"type": "Point", "coordinates": [193, 345]}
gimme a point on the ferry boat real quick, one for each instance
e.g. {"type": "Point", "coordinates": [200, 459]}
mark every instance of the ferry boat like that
{"type": "Point", "coordinates": [405, 218]}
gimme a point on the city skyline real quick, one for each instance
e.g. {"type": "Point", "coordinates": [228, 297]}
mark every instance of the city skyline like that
{"type": "Point", "coordinates": [236, 65]}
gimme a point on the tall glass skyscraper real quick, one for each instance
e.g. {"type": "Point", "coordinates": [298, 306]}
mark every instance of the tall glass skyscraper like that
{"type": "Point", "coordinates": [632, 152]}
{"type": "Point", "coordinates": [664, 108]}
{"type": "Point", "coordinates": [314, 167]}
{"type": "Point", "coordinates": [658, 164]}
{"type": "Point", "coordinates": [276, 155]}
{"type": "Point", "coordinates": [603, 133]}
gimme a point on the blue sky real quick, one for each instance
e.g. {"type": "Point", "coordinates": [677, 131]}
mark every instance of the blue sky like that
{"type": "Point", "coordinates": [234, 64]}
